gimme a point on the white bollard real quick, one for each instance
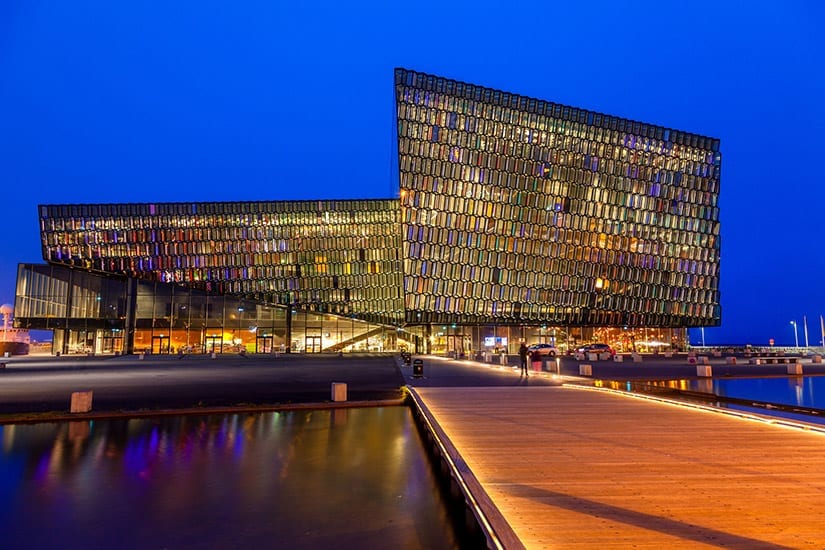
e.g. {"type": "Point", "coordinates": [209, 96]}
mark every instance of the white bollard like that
{"type": "Point", "coordinates": [703, 360]}
{"type": "Point", "coordinates": [585, 370]}
{"type": "Point", "coordinates": [503, 358]}
{"type": "Point", "coordinates": [816, 359]}
{"type": "Point", "coordinates": [636, 358]}
{"type": "Point", "coordinates": [141, 356]}
{"type": "Point", "coordinates": [592, 356]}
{"type": "Point", "coordinates": [795, 368]}
{"type": "Point", "coordinates": [730, 361]}
{"type": "Point", "coordinates": [668, 354]}
{"type": "Point", "coordinates": [81, 402]}
{"type": "Point", "coordinates": [339, 391]}
{"type": "Point", "coordinates": [618, 358]}
{"type": "Point", "coordinates": [704, 370]}
{"type": "Point", "coordinates": [213, 355]}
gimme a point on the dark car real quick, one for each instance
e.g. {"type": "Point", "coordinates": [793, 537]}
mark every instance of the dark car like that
{"type": "Point", "coordinates": [599, 349]}
{"type": "Point", "coordinates": [543, 349]}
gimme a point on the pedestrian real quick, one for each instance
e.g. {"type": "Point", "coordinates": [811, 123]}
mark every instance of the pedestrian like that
{"type": "Point", "coordinates": [522, 355]}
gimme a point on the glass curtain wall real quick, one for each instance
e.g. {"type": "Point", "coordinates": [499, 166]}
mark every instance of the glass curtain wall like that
{"type": "Point", "coordinates": [519, 211]}
{"type": "Point", "coordinates": [336, 257]}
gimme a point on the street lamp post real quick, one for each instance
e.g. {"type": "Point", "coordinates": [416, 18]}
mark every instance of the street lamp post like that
{"type": "Point", "coordinates": [805, 329]}
{"type": "Point", "coordinates": [795, 333]}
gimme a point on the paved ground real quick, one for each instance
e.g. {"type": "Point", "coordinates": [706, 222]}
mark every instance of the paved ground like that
{"type": "Point", "coordinates": [127, 383]}
{"type": "Point", "coordinates": [33, 385]}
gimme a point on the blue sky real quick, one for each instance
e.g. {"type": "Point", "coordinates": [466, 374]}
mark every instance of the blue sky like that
{"type": "Point", "coordinates": [202, 100]}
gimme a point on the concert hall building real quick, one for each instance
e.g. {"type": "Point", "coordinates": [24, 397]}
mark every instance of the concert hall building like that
{"type": "Point", "coordinates": [517, 219]}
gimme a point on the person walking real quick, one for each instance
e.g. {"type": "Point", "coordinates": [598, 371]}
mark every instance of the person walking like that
{"type": "Point", "coordinates": [523, 352]}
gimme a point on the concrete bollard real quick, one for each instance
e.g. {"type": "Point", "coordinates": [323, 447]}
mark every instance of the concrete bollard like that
{"type": "Point", "coordinates": [618, 358]}
{"type": "Point", "coordinates": [339, 391]}
{"type": "Point", "coordinates": [637, 358]}
{"type": "Point", "coordinates": [691, 360]}
{"type": "Point", "coordinates": [703, 360]}
{"type": "Point", "coordinates": [81, 402]}
{"type": "Point", "coordinates": [503, 358]}
{"type": "Point", "coordinates": [795, 368]}
{"type": "Point", "coordinates": [585, 370]}
{"type": "Point", "coordinates": [592, 356]}
{"type": "Point", "coordinates": [730, 361]}
{"type": "Point", "coordinates": [142, 356]}
{"type": "Point", "coordinates": [816, 359]}
{"type": "Point", "coordinates": [668, 354]}
{"type": "Point", "coordinates": [704, 370]}
{"type": "Point", "coordinates": [213, 355]}
{"type": "Point", "coordinates": [716, 353]}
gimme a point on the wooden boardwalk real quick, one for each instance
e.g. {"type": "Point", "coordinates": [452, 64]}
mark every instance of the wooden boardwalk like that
{"type": "Point", "coordinates": [578, 468]}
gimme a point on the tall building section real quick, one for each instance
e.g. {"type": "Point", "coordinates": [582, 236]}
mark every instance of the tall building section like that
{"type": "Point", "coordinates": [522, 211]}
{"type": "Point", "coordinates": [517, 219]}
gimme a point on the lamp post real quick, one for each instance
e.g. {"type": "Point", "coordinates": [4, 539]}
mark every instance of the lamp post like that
{"type": "Point", "coordinates": [795, 333]}
{"type": "Point", "coordinates": [805, 329]}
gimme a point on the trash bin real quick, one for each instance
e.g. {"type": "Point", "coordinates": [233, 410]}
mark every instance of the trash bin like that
{"type": "Point", "coordinates": [418, 368]}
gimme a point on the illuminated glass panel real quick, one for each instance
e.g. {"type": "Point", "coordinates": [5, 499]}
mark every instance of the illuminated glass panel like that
{"type": "Point", "coordinates": [555, 214]}
{"type": "Point", "coordinates": [317, 255]}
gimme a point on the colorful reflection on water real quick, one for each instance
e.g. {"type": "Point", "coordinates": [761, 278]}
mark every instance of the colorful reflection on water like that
{"type": "Point", "coordinates": [792, 391]}
{"type": "Point", "coordinates": [302, 479]}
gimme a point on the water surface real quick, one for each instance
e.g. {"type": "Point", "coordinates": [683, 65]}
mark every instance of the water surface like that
{"type": "Point", "coordinates": [355, 478]}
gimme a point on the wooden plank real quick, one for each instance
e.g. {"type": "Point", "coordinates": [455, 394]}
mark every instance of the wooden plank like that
{"type": "Point", "coordinates": [573, 468]}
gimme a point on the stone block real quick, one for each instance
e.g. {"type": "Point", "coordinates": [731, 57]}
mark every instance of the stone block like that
{"type": "Point", "coordinates": [81, 401]}
{"type": "Point", "coordinates": [339, 391]}
{"type": "Point", "coordinates": [704, 371]}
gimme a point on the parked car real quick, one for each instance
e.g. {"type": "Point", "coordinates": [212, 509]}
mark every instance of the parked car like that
{"type": "Point", "coordinates": [599, 349]}
{"type": "Point", "coordinates": [543, 349]}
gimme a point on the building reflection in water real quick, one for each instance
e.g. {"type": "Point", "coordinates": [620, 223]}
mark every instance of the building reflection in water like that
{"type": "Point", "coordinates": [343, 477]}
{"type": "Point", "coordinates": [801, 391]}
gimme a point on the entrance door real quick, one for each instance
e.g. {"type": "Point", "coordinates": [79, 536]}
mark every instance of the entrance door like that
{"type": "Point", "coordinates": [313, 344]}
{"type": "Point", "coordinates": [458, 345]}
{"type": "Point", "coordinates": [112, 344]}
{"type": "Point", "coordinates": [263, 344]}
{"type": "Point", "coordinates": [214, 344]}
{"type": "Point", "coordinates": [160, 344]}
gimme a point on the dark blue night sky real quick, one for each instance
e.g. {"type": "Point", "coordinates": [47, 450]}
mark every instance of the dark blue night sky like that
{"type": "Point", "coordinates": [106, 101]}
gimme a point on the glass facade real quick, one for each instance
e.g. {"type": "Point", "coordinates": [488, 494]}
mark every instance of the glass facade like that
{"type": "Point", "coordinates": [337, 257]}
{"type": "Point", "coordinates": [102, 313]}
{"type": "Point", "coordinates": [517, 220]}
{"type": "Point", "coordinates": [518, 211]}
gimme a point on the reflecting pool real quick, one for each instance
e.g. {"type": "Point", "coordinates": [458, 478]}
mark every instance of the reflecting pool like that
{"type": "Point", "coordinates": [802, 391]}
{"type": "Point", "coordinates": [354, 478]}
{"type": "Point", "coordinates": [790, 391]}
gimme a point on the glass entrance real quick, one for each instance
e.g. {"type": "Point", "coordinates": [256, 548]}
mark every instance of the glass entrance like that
{"type": "Point", "coordinates": [214, 344]}
{"type": "Point", "coordinates": [112, 344]}
{"type": "Point", "coordinates": [263, 344]}
{"type": "Point", "coordinates": [160, 344]}
{"type": "Point", "coordinates": [313, 344]}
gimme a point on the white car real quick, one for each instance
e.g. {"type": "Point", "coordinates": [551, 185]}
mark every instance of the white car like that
{"type": "Point", "coordinates": [543, 349]}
